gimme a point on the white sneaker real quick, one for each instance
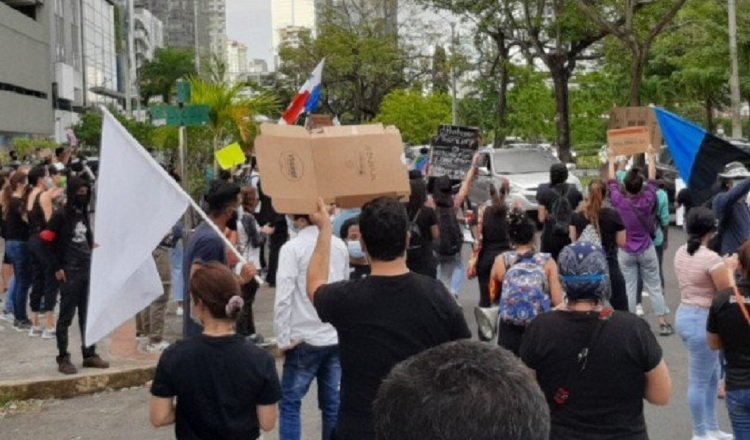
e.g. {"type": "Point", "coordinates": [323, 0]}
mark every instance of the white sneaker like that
{"type": "Point", "coordinates": [48, 334]}
{"type": "Point", "coordinates": [179, 311]}
{"type": "Point", "coordinates": [639, 310]}
{"type": "Point", "coordinates": [719, 435]}
{"type": "Point", "coordinates": [702, 437]}
{"type": "Point", "coordinates": [645, 293]}
{"type": "Point", "coordinates": [157, 347]}
{"type": "Point", "coordinates": [35, 331]}
{"type": "Point", "coordinates": [7, 317]}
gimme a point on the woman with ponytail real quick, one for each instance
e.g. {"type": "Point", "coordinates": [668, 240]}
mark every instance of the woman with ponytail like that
{"type": "Point", "coordinates": [701, 273]}
{"type": "Point", "coordinates": [215, 385]}
{"type": "Point", "coordinates": [595, 222]}
{"type": "Point", "coordinates": [492, 238]}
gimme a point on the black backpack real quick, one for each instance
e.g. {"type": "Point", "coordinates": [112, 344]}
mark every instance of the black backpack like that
{"type": "Point", "coordinates": [451, 237]}
{"type": "Point", "coordinates": [561, 214]}
{"type": "Point", "coordinates": [415, 234]}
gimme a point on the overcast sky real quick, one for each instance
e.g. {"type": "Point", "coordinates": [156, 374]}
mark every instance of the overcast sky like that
{"type": "Point", "coordinates": [249, 22]}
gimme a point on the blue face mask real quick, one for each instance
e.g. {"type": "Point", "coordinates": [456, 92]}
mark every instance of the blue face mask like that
{"type": "Point", "coordinates": [355, 249]}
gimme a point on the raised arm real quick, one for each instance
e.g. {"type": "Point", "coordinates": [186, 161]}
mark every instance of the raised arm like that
{"type": "Point", "coordinates": [317, 272]}
{"type": "Point", "coordinates": [651, 153]}
{"type": "Point", "coordinates": [468, 182]}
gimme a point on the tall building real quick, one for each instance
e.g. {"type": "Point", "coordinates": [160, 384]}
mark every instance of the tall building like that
{"type": "Point", "coordinates": [100, 52]}
{"type": "Point", "coordinates": [148, 35]}
{"type": "Point", "coordinates": [25, 73]}
{"type": "Point", "coordinates": [212, 28]}
{"type": "Point", "coordinates": [287, 15]}
{"type": "Point", "coordinates": [237, 66]}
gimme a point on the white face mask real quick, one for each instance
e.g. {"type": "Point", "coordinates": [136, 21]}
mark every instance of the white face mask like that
{"type": "Point", "coordinates": [355, 249]}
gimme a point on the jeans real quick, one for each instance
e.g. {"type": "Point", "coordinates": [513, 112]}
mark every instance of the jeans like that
{"type": "Point", "coordinates": [44, 285]}
{"type": "Point", "coordinates": [176, 255]}
{"type": "Point", "coordinates": [450, 271]}
{"type": "Point", "coordinates": [302, 364]}
{"type": "Point", "coordinates": [660, 256]}
{"type": "Point", "coordinates": [10, 297]}
{"type": "Point", "coordinates": [74, 292]}
{"type": "Point", "coordinates": [647, 266]}
{"type": "Point", "coordinates": [703, 382]}
{"type": "Point", "coordinates": [738, 404]}
{"type": "Point", "coordinates": [18, 252]}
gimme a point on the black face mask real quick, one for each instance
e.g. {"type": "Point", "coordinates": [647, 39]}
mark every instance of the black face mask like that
{"type": "Point", "coordinates": [81, 200]}
{"type": "Point", "coordinates": [232, 222]}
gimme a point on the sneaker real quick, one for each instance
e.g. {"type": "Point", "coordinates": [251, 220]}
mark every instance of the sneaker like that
{"type": "Point", "coordinates": [719, 435]}
{"type": "Point", "coordinates": [179, 311]}
{"type": "Point", "coordinates": [22, 326]}
{"type": "Point", "coordinates": [65, 366]}
{"type": "Point", "coordinates": [156, 347]}
{"type": "Point", "coordinates": [666, 330]}
{"type": "Point", "coordinates": [256, 338]}
{"type": "Point", "coordinates": [35, 331]}
{"type": "Point", "coordinates": [639, 310]}
{"type": "Point", "coordinates": [8, 317]}
{"type": "Point", "coordinates": [48, 334]}
{"type": "Point", "coordinates": [95, 362]}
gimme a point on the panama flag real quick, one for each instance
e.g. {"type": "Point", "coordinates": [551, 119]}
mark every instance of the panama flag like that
{"type": "Point", "coordinates": [307, 98]}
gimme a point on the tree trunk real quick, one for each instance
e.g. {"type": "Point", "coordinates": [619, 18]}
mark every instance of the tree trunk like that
{"type": "Point", "coordinates": [502, 103]}
{"type": "Point", "coordinates": [636, 79]}
{"type": "Point", "coordinates": [560, 77]}
{"type": "Point", "coordinates": [710, 123]}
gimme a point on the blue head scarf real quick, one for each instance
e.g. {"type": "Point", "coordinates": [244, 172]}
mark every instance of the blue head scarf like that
{"type": "Point", "coordinates": [584, 272]}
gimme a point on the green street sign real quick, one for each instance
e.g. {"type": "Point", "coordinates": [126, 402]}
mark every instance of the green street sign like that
{"type": "Point", "coordinates": [174, 116]}
{"type": "Point", "coordinates": [184, 91]}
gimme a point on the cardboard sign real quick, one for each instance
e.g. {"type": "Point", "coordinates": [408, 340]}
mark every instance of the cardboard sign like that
{"type": "Point", "coordinates": [628, 141]}
{"type": "Point", "coordinates": [453, 150]}
{"type": "Point", "coordinates": [346, 165]}
{"type": "Point", "coordinates": [315, 121]}
{"type": "Point", "coordinates": [624, 117]}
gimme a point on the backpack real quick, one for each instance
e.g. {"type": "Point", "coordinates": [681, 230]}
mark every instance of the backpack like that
{"type": "Point", "coordinates": [590, 235]}
{"type": "Point", "coordinates": [415, 234]}
{"type": "Point", "coordinates": [451, 237]}
{"type": "Point", "coordinates": [561, 214]}
{"type": "Point", "coordinates": [525, 286]}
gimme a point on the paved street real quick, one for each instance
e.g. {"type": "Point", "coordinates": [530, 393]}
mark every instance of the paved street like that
{"type": "Point", "coordinates": [123, 414]}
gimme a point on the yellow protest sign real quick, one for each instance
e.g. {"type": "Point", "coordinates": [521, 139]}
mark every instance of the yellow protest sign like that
{"type": "Point", "coordinates": [230, 156]}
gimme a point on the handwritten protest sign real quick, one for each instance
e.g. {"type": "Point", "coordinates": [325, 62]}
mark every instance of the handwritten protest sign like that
{"type": "Point", "coordinates": [452, 151]}
{"type": "Point", "coordinates": [628, 141]}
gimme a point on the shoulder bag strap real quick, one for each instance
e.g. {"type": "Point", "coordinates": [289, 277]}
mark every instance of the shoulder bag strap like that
{"type": "Point", "coordinates": [741, 304]}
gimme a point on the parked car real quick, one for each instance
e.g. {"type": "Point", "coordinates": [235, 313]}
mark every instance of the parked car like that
{"type": "Point", "coordinates": [525, 168]}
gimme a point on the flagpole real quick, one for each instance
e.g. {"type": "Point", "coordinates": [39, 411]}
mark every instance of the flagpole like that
{"type": "Point", "coordinates": [184, 193]}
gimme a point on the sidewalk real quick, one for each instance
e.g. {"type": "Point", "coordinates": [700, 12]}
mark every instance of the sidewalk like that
{"type": "Point", "coordinates": [28, 368]}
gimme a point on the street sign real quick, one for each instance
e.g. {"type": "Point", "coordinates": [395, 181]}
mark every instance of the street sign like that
{"type": "Point", "coordinates": [174, 116]}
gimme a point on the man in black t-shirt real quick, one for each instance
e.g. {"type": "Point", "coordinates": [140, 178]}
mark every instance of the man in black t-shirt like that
{"type": "Point", "coordinates": [547, 194]}
{"type": "Point", "coordinates": [382, 319]}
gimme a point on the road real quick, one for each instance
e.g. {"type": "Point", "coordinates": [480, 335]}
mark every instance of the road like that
{"type": "Point", "coordinates": [123, 415]}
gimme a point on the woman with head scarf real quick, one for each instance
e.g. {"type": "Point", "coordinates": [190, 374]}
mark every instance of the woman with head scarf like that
{"type": "Point", "coordinates": [701, 274]}
{"type": "Point", "coordinates": [594, 365]}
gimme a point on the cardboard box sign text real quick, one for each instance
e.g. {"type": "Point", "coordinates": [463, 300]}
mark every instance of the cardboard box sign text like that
{"type": "Point", "coordinates": [346, 165]}
{"type": "Point", "coordinates": [628, 141]}
{"type": "Point", "coordinates": [624, 117]}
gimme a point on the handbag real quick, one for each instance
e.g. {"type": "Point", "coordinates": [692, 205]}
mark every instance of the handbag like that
{"type": "Point", "coordinates": [471, 269]}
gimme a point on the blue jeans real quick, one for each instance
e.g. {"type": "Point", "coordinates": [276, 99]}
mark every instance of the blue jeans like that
{"type": "Point", "coordinates": [451, 272]}
{"type": "Point", "coordinates": [176, 254]}
{"type": "Point", "coordinates": [738, 404]}
{"type": "Point", "coordinates": [18, 253]}
{"type": "Point", "coordinates": [703, 383]}
{"type": "Point", "coordinates": [646, 265]}
{"type": "Point", "coordinates": [8, 307]}
{"type": "Point", "coordinates": [302, 364]}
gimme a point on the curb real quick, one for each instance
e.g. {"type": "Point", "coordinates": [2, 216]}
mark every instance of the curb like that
{"type": "Point", "coordinates": [77, 385]}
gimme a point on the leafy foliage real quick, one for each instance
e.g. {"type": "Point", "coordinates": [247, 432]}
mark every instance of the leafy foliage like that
{"type": "Point", "coordinates": [158, 78]}
{"type": "Point", "coordinates": [415, 115]}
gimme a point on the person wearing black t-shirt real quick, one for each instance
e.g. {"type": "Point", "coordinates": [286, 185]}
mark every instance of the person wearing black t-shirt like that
{"type": "Point", "coordinates": [729, 330]}
{"type": "Point", "coordinates": [419, 255]}
{"type": "Point", "coordinates": [215, 385]}
{"type": "Point", "coordinates": [547, 194]}
{"type": "Point", "coordinates": [605, 224]}
{"type": "Point", "coordinates": [382, 319]}
{"type": "Point", "coordinates": [594, 365]}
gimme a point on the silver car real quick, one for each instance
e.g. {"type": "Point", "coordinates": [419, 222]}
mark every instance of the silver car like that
{"type": "Point", "coordinates": [525, 169]}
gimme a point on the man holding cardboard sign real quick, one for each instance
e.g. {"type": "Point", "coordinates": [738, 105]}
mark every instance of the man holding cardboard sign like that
{"type": "Point", "coordinates": [382, 319]}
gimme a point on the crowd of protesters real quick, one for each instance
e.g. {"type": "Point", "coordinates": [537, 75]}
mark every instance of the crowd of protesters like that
{"type": "Point", "coordinates": [366, 305]}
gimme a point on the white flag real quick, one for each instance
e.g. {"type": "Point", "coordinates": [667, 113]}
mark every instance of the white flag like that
{"type": "Point", "coordinates": [137, 203]}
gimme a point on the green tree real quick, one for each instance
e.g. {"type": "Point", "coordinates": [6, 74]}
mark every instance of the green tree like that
{"type": "Point", "coordinates": [158, 77]}
{"type": "Point", "coordinates": [440, 71]}
{"type": "Point", "coordinates": [531, 105]}
{"type": "Point", "coordinates": [415, 115]}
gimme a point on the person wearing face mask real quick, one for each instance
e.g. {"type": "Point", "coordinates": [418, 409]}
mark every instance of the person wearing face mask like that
{"type": "Point", "coordinates": [359, 266]}
{"type": "Point", "coordinates": [205, 245]}
{"type": "Point", "coordinates": [310, 347]}
{"type": "Point", "coordinates": [44, 286]}
{"type": "Point", "coordinates": [69, 242]}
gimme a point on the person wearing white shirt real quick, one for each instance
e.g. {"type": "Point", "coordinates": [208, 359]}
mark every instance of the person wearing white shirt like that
{"type": "Point", "coordinates": [310, 346]}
